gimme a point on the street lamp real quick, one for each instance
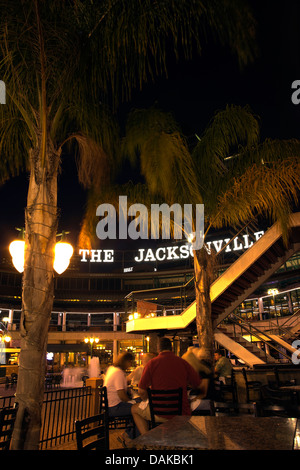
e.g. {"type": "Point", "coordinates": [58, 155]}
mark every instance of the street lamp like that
{"type": "Point", "coordinates": [16, 249]}
{"type": "Point", "coordinates": [274, 292]}
{"type": "Point", "coordinates": [91, 341]}
{"type": "Point", "coordinates": [63, 252]}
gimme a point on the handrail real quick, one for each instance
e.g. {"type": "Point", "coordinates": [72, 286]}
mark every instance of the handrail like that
{"type": "Point", "coordinates": [284, 329]}
{"type": "Point", "coordinates": [258, 334]}
{"type": "Point", "coordinates": [183, 286]}
{"type": "Point", "coordinates": [295, 314]}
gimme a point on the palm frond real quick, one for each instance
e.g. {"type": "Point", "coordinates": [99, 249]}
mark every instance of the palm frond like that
{"type": "Point", "coordinates": [154, 138]}
{"type": "Point", "coordinates": [229, 130]}
{"type": "Point", "coordinates": [267, 190]}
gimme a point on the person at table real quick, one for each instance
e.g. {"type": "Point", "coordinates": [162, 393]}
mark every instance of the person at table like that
{"type": "Point", "coordinates": [135, 376]}
{"type": "Point", "coordinates": [223, 366]}
{"type": "Point", "coordinates": [165, 372]}
{"type": "Point", "coordinates": [115, 381]}
{"type": "Point", "coordinates": [199, 359]}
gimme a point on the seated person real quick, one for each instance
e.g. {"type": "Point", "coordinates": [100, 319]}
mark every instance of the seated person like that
{"type": "Point", "coordinates": [164, 372]}
{"type": "Point", "coordinates": [223, 366]}
{"type": "Point", "coordinates": [136, 374]}
{"type": "Point", "coordinates": [199, 359]}
{"type": "Point", "coordinates": [115, 381]}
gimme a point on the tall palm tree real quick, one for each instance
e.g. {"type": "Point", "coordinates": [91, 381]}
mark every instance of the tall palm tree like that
{"type": "Point", "coordinates": [63, 63]}
{"type": "Point", "coordinates": [230, 170]}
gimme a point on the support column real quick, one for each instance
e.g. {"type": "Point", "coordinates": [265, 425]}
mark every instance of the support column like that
{"type": "Point", "coordinates": [290, 303]}
{"type": "Point", "coordinates": [94, 383]}
{"type": "Point", "coordinates": [261, 308]}
{"type": "Point", "coordinates": [10, 321]}
{"type": "Point", "coordinates": [115, 350]}
{"type": "Point", "coordinates": [116, 321]}
{"type": "Point", "coordinates": [64, 321]}
{"type": "Point", "coordinates": [153, 343]}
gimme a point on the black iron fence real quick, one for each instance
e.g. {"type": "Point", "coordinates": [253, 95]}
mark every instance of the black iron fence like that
{"type": "Point", "coordinates": [61, 408]}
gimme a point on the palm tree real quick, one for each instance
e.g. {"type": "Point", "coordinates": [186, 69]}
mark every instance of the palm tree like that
{"type": "Point", "coordinates": [63, 64]}
{"type": "Point", "coordinates": [235, 175]}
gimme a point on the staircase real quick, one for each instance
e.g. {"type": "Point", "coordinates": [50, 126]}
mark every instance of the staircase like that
{"type": "Point", "coordinates": [252, 269]}
{"type": "Point", "coordinates": [236, 284]}
{"type": "Point", "coordinates": [232, 336]}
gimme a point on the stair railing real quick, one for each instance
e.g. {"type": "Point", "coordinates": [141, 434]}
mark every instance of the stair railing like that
{"type": "Point", "coordinates": [284, 328]}
{"type": "Point", "coordinates": [292, 319]}
{"type": "Point", "coordinates": [257, 333]}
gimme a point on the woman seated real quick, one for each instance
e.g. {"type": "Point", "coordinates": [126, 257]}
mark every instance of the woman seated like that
{"type": "Point", "coordinates": [119, 402]}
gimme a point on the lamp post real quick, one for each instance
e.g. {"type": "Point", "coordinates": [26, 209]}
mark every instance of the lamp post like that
{"type": "Point", "coordinates": [63, 252]}
{"type": "Point", "coordinates": [91, 341]}
{"type": "Point", "coordinates": [274, 292]}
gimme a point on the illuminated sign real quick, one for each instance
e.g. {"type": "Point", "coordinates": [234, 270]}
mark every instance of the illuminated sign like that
{"type": "Point", "coordinates": [171, 253]}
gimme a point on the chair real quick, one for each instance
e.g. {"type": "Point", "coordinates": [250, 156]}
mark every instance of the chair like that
{"type": "Point", "coordinates": [14, 379]}
{"type": "Point", "coordinates": [275, 396]}
{"type": "Point", "coordinates": [57, 381]}
{"type": "Point", "coordinates": [11, 381]}
{"type": "Point", "coordinates": [164, 403]}
{"type": "Point", "coordinates": [83, 378]}
{"type": "Point", "coordinates": [92, 433]}
{"type": "Point", "coordinates": [7, 422]}
{"type": "Point", "coordinates": [205, 412]}
{"type": "Point", "coordinates": [234, 409]}
{"type": "Point", "coordinates": [229, 388]}
{"type": "Point", "coordinates": [119, 422]}
{"type": "Point", "coordinates": [251, 385]}
{"type": "Point", "coordinates": [279, 383]}
{"type": "Point", "coordinates": [284, 410]}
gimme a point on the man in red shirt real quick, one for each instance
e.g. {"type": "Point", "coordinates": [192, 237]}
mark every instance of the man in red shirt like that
{"type": "Point", "coordinates": [165, 372]}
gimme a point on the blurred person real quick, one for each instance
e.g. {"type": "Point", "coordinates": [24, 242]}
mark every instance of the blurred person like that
{"type": "Point", "coordinates": [164, 372]}
{"type": "Point", "coordinates": [135, 376]}
{"type": "Point", "coordinates": [199, 359]}
{"type": "Point", "coordinates": [115, 381]}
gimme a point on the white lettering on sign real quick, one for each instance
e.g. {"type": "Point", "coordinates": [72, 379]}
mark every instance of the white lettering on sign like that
{"type": "Point", "coordinates": [171, 253]}
{"type": "Point", "coordinates": [97, 256]}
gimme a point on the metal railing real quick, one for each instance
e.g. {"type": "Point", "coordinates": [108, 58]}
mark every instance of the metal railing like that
{"type": "Point", "coordinates": [61, 408]}
{"type": "Point", "coordinates": [255, 332]}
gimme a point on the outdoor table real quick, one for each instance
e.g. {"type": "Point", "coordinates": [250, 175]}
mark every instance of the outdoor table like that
{"type": "Point", "coordinates": [222, 433]}
{"type": "Point", "coordinates": [292, 388]}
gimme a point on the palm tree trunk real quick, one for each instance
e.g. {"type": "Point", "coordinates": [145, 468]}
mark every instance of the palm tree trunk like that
{"type": "Point", "coordinates": [203, 271]}
{"type": "Point", "coordinates": [37, 297]}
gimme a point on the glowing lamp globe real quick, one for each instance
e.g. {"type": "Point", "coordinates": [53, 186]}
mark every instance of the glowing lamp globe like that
{"type": "Point", "coordinates": [63, 252]}
{"type": "Point", "coordinates": [17, 250]}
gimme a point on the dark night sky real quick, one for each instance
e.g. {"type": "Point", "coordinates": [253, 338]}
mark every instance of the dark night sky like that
{"type": "Point", "coordinates": [193, 92]}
